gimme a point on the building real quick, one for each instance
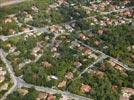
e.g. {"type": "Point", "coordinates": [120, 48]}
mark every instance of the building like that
{"type": "Point", "coordinates": [62, 84]}
{"type": "Point", "coordinates": [126, 93]}
{"type": "Point", "coordinates": [77, 64]}
{"type": "Point", "coordinates": [23, 91]}
{"type": "Point", "coordinates": [69, 75]}
{"type": "Point", "coordinates": [46, 64]}
{"type": "Point", "coordinates": [42, 96]}
{"type": "Point", "coordinates": [51, 97]}
{"type": "Point", "coordinates": [85, 88]}
{"type": "Point", "coordinates": [8, 20]}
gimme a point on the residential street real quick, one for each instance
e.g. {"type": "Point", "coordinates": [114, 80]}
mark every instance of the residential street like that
{"type": "Point", "coordinates": [18, 83]}
{"type": "Point", "coordinates": [10, 70]}
{"type": "Point", "coordinates": [115, 60]}
{"type": "Point", "coordinates": [92, 65]}
{"type": "Point", "coordinates": [45, 29]}
{"type": "Point", "coordinates": [11, 2]}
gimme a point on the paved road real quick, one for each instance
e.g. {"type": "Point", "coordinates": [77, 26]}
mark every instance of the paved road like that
{"type": "Point", "coordinates": [115, 60]}
{"type": "Point", "coordinates": [91, 65]}
{"type": "Point", "coordinates": [11, 2]}
{"type": "Point", "coordinates": [45, 29]}
{"type": "Point", "coordinates": [18, 83]}
{"type": "Point", "coordinates": [104, 13]}
{"type": "Point", "coordinates": [53, 91]}
{"type": "Point", "coordinates": [4, 38]}
{"type": "Point", "coordinates": [10, 70]}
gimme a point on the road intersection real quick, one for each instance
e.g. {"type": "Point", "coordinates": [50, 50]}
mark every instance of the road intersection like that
{"type": "Point", "coordinates": [18, 82]}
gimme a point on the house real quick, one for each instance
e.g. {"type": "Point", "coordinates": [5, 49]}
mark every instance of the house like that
{"type": "Point", "coordinates": [56, 43]}
{"type": "Point", "coordinates": [85, 88]}
{"type": "Point", "coordinates": [54, 49]}
{"type": "Point", "coordinates": [132, 56]}
{"type": "Point", "coordinates": [25, 29]}
{"type": "Point", "coordinates": [52, 28]}
{"type": "Point", "coordinates": [100, 31]}
{"type": "Point", "coordinates": [1, 68]}
{"type": "Point", "coordinates": [109, 22]}
{"type": "Point", "coordinates": [46, 37]}
{"type": "Point", "coordinates": [30, 34]}
{"type": "Point", "coordinates": [34, 8]}
{"type": "Point", "coordinates": [42, 96]}
{"type": "Point", "coordinates": [60, 1]}
{"type": "Point", "coordinates": [8, 20]}
{"type": "Point", "coordinates": [90, 71]}
{"type": "Point", "coordinates": [122, 21]}
{"type": "Point", "coordinates": [11, 16]}
{"type": "Point", "coordinates": [116, 22]}
{"type": "Point", "coordinates": [23, 91]}
{"type": "Point", "coordinates": [88, 51]}
{"type": "Point", "coordinates": [111, 63]}
{"type": "Point", "coordinates": [2, 73]}
{"type": "Point", "coordinates": [82, 36]}
{"type": "Point", "coordinates": [69, 28]}
{"type": "Point", "coordinates": [114, 87]}
{"type": "Point", "coordinates": [101, 6]}
{"type": "Point", "coordinates": [93, 56]}
{"type": "Point", "coordinates": [94, 19]}
{"type": "Point", "coordinates": [127, 13]}
{"type": "Point", "coordinates": [94, 7]}
{"type": "Point", "coordinates": [75, 44]}
{"type": "Point", "coordinates": [126, 93]}
{"type": "Point", "coordinates": [8, 45]}
{"type": "Point", "coordinates": [51, 97]}
{"type": "Point", "coordinates": [12, 49]}
{"type": "Point", "coordinates": [123, 98]}
{"type": "Point", "coordinates": [35, 50]}
{"type": "Point", "coordinates": [129, 91]}
{"type": "Point", "coordinates": [4, 87]}
{"type": "Point", "coordinates": [62, 84]}
{"type": "Point", "coordinates": [46, 64]}
{"type": "Point", "coordinates": [69, 75]}
{"type": "Point", "coordinates": [92, 24]}
{"type": "Point", "coordinates": [34, 75]}
{"type": "Point", "coordinates": [12, 31]}
{"type": "Point", "coordinates": [28, 17]}
{"type": "Point", "coordinates": [102, 23]}
{"type": "Point", "coordinates": [102, 67]}
{"type": "Point", "coordinates": [77, 64]}
{"type": "Point", "coordinates": [2, 78]}
{"type": "Point", "coordinates": [99, 73]}
{"type": "Point", "coordinates": [55, 55]}
{"type": "Point", "coordinates": [118, 67]}
{"type": "Point", "coordinates": [97, 42]}
{"type": "Point", "coordinates": [115, 65]}
{"type": "Point", "coordinates": [126, 1]}
{"type": "Point", "coordinates": [81, 47]}
{"type": "Point", "coordinates": [132, 46]}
